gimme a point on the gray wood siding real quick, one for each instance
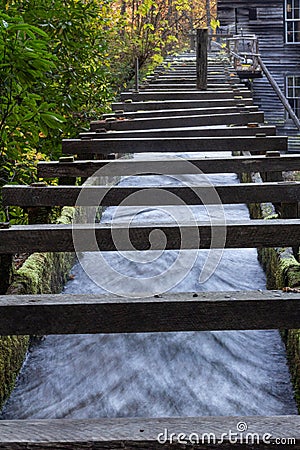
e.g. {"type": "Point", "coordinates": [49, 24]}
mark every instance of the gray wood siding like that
{"type": "Point", "coordinates": [280, 58]}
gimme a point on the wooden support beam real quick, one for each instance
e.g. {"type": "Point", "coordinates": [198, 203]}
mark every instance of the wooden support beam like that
{"type": "Point", "coordinates": [185, 88]}
{"type": "Point", "coordinates": [202, 311]}
{"type": "Point", "coordinates": [201, 57]}
{"type": "Point", "coordinates": [27, 196]}
{"type": "Point", "coordinates": [182, 104]}
{"type": "Point", "coordinates": [101, 237]}
{"type": "Point", "coordinates": [168, 166]}
{"type": "Point", "coordinates": [6, 270]}
{"type": "Point", "coordinates": [38, 213]}
{"type": "Point", "coordinates": [193, 95]}
{"type": "Point", "coordinates": [273, 176]}
{"type": "Point", "coordinates": [190, 79]}
{"type": "Point", "coordinates": [219, 85]}
{"type": "Point", "coordinates": [158, 85]}
{"type": "Point", "coordinates": [175, 112]}
{"type": "Point", "coordinates": [182, 145]}
{"type": "Point", "coordinates": [213, 131]}
{"type": "Point", "coordinates": [237, 118]}
{"type": "Point", "coordinates": [201, 433]}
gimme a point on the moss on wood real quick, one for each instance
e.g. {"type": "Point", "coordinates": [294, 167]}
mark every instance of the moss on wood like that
{"type": "Point", "coordinates": [41, 273]}
{"type": "Point", "coordinates": [282, 270]}
{"type": "Point", "coordinates": [292, 341]}
{"type": "Point", "coordinates": [12, 352]}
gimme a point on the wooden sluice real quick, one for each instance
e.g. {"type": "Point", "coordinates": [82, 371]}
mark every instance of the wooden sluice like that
{"type": "Point", "coordinates": [167, 115]}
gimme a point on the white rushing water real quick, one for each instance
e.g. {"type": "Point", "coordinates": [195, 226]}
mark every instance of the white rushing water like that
{"type": "Point", "coordinates": [158, 374]}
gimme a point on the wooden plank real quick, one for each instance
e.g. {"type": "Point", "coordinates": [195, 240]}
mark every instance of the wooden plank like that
{"type": "Point", "coordinates": [220, 84]}
{"type": "Point", "coordinates": [152, 434]}
{"type": "Point", "coordinates": [193, 95]}
{"type": "Point", "coordinates": [173, 104]}
{"type": "Point", "coordinates": [213, 131]}
{"type": "Point", "coordinates": [202, 311]}
{"type": "Point", "coordinates": [25, 196]}
{"type": "Point", "coordinates": [144, 88]}
{"type": "Point", "coordinates": [168, 166]}
{"type": "Point", "coordinates": [191, 79]}
{"type": "Point", "coordinates": [176, 112]}
{"type": "Point", "coordinates": [239, 118]}
{"type": "Point", "coordinates": [183, 145]}
{"type": "Point", "coordinates": [95, 237]}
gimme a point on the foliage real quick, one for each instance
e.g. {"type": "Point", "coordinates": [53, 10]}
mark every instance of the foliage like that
{"type": "Point", "coordinates": [62, 62]}
{"type": "Point", "coordinates": [25, 112]}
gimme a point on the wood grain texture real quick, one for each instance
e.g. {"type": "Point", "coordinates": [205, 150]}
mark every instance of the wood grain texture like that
{"type": "Point", "coordinates": [183, 145]}
{"type": "Point", "coordinates": [14, 195]}
{"type": "Point", "coordinates": [201, 58]}
{"type": "Point", "coordinates": [79, 314]}
{"type": "Point", "coordinates": [90, 237]}
{"type": "Point", "coordinates": [176, 112]}
{"type": "Point", "coordinates": [185, 88]}
{"type": "Point", "coordinates": [189, 79]}
{"type": "Point", "coordinates": [213, 131]}
{"type": "Point", "coordinates": [175, 104]}
{"type": "Point", "coordinates": [192, 95]}
{"type": "Point", "coordinates": [169, 166]}
{"type": "Point", "coordinates": [183, 121]}
{"type": "Point", "coordinates": [134, 433]}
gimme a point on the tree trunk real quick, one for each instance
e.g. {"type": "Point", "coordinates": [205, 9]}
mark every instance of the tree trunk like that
{"type": "Point", "coordinates": [208, 15]}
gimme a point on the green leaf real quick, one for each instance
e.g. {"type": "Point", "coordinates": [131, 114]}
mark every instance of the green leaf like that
{"type": "Point", "coordinates": [51, 120]}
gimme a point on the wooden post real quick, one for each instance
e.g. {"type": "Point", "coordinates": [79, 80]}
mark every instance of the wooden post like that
{"type": "Point", "coordinates": [66, 181]}
{"type": "Point", "coordinates": [136, 74]}
{"type": "Point", "coordinates": [90, 156]}
{"type": "Point", "coordinates": [273, 177]}
{"type": "Point", "coordinates": [42, 214]}
{"type": "Point", "coordinates": [5, 266]}
{"type": "Point", "coordinates": [291, 211]}
{"type": "Point", "coordinates": [201, 58]}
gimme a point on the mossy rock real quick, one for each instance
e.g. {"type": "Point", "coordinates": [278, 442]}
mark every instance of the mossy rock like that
{"type": "Point", "coordinates": [282, 270]}
{"type": "Point", "coordinates": [292, 341]}
{"type": "Point", "coordinates": [12, 352]}
{"type": "Point", "coordinates": [41, 273]}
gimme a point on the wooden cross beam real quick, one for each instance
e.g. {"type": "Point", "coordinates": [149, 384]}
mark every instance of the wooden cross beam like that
{"type": "Point", "coordinates": [177, 112]}
{"type": "Point", "coordinates": [185, 132]}
{"type": "Point", "coordinates": [168, 166]}
{"type": "Point", "coordinates": [237, 118]}
{"type": "Point", "coordinates": [193, 95]}
{"type": "Point", "coordinates": [101, 237]}
{"type": "Point", "coordinates": [32, 196]}
{"type": "Point", "coordinates": [202, 311]}
{"type": "Point", "coordinates": [181, 104]}
{"type": "Point", "coordinates": [182, 145]}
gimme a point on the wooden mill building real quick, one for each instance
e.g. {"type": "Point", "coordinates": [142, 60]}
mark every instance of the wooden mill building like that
{"type": "Point", "coordinates": [276, 23]}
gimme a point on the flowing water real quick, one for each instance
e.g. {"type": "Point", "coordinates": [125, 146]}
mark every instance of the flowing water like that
{"type": "Point", "coordinates": [158, 374]}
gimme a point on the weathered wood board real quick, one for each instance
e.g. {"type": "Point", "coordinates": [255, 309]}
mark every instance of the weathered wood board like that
{"type": "Point", "coordinates": [182, 145]}
{"type": "Point", "coordinates": [168, 166]}
{"type": "Point", "coordinates": [207, 194]}
{"type": "Point", "coordinates": [77, 314]}
{"type": "Point", "coordinates": [100, 237]}
{"type": "Point", "coordinates": [202, 433]}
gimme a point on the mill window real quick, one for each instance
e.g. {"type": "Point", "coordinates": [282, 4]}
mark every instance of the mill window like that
{"type": "Point", "coordinates": [292, 21]}
{"type": "Point", "coordinates": [293, 92]}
